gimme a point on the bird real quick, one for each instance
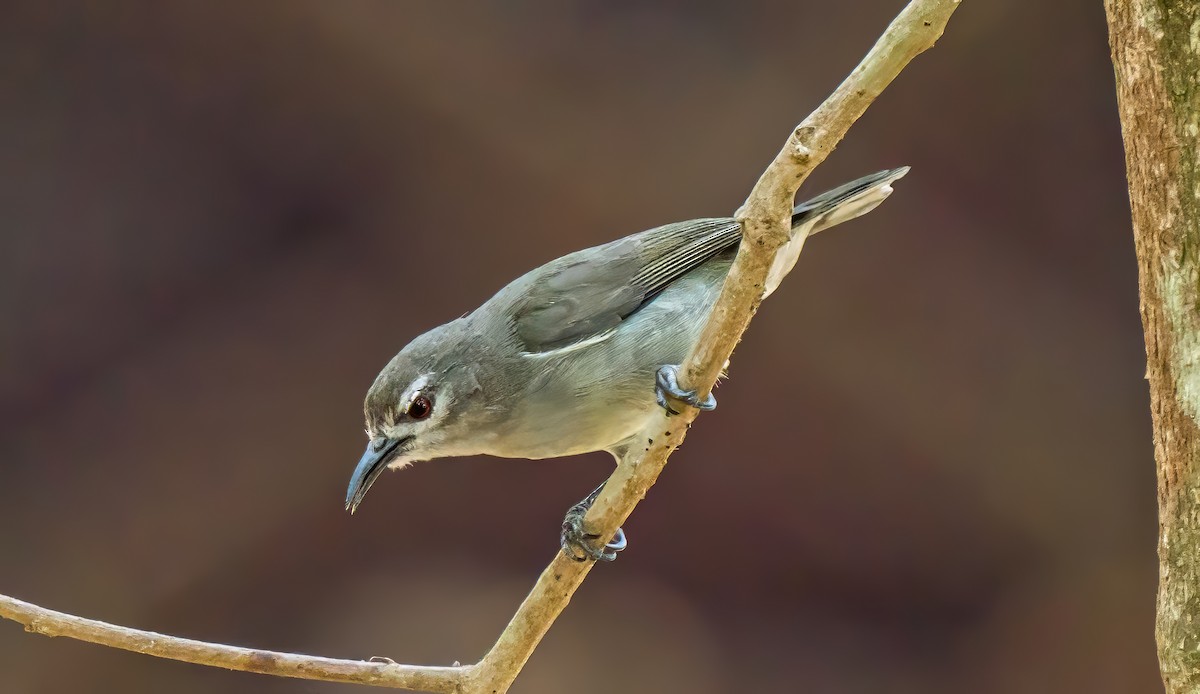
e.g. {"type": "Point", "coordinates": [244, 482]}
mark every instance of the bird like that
{"type": "Point", "coordinates": [573, 356]}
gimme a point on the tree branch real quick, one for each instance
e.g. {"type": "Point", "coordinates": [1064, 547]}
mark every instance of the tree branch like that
{"type": "Point", "coordinates": [765, 219]}
{"type": "Point", "coordinates": [766, 225]}
{"type": "Point", "coordinates": [39, 620]}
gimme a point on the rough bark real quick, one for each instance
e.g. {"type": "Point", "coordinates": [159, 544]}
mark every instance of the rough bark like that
{"type": "Point", "coordinates": [1156, 56]}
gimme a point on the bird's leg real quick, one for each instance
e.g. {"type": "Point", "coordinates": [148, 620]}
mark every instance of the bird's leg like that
{"type": "Point", "coordinates": [579, 544]}
{"type": "Point", "coordinates": [666, 382]}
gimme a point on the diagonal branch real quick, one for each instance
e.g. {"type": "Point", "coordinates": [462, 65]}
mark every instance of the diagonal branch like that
{"type": "Point", "coordinates": [765, 220]}
{"type": "Point", "coordinates": [766, 224]}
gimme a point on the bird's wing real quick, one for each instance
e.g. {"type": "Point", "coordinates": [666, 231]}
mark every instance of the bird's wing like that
{"type": "Point", "coordinates": [583, 296]}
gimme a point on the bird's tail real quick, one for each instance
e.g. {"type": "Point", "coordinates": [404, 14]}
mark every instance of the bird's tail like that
{"type": "Point", "coordinates": [845, 202]}
{"type": "Point", "coordinates": [841, 204]}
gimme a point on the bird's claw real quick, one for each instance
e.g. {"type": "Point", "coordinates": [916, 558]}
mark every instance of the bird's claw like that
{"type": "Point", "coordinates": [579, 544]}
{"type": "Point", "coordinates": [666, 382]}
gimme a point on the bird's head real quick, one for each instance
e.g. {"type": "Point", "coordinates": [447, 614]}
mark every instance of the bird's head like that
{"type": "Point", "coordinates": [414, 410]}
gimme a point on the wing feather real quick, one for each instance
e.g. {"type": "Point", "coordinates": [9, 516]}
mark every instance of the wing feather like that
{"type": "Point", "coordinates": [585, 295]}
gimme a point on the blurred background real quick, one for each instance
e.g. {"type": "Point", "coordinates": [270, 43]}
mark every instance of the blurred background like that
{"type": "Point", "coordinates": [218, 221]}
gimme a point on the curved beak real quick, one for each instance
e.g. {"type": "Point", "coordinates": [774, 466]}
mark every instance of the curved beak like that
{"type": "Point", "coordinates": [374, 461]}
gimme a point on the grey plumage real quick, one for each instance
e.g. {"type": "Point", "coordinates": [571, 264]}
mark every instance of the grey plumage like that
{"type": "Point", "coordinates": [563, 359]}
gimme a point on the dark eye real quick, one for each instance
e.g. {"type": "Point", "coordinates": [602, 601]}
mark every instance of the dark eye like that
{"type": "Point", "coordinates": [420, 407]}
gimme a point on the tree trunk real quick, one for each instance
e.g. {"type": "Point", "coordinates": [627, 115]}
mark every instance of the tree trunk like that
{"type": "Point", "coordinates": [1156, 56]}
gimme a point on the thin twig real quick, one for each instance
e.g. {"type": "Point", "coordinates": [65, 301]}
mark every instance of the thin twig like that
{"type": "Point", "coordinates": [39, 620]}
{"type": "Point", "coordinates": [765, 226]}
{"type": "Point", "coordinates": [765, 221]}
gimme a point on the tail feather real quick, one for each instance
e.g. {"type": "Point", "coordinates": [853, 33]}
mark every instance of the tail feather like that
{"type": "Point", "coordinates": [841, 204]}
{"type": "Point", "coordinates": [846, 202]}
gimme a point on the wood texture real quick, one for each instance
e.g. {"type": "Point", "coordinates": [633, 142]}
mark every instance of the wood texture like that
{"type": "Point", "coordinates": [1156, 56]}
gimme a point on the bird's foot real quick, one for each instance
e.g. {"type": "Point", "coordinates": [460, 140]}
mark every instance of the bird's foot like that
{"type": "Point", "coordinates": [666, 382]}
{"type": "Point", "coordinates": [579, 544]}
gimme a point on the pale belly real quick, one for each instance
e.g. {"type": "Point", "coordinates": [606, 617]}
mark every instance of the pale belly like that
{"type": "Point", "coordinates": [599, 396]}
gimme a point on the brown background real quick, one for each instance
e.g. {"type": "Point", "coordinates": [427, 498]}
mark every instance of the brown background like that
{"type": "Point", "coordinates": [220, 219]}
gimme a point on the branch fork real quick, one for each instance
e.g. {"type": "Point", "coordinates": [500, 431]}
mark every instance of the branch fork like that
{"type": "Point", "coordinates": [763, 218]}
